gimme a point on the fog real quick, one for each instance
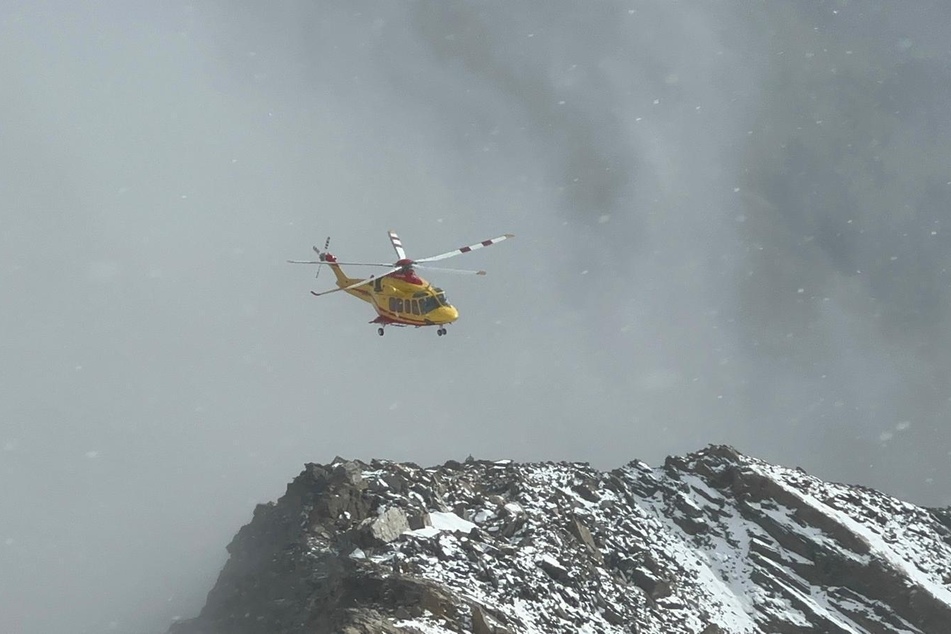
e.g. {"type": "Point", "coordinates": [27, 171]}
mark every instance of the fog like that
{"type": "Point", "coordinates": [731, 228]}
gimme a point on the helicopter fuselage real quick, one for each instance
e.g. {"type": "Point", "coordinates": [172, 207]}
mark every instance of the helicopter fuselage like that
{"type": "Point", "coordinates": [402, 298]}
{"type": "Point", "coordinates": [399, 296]}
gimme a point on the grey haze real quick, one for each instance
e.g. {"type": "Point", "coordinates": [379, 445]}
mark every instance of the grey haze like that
{"type": "Point", "coordinates": [732, 225]}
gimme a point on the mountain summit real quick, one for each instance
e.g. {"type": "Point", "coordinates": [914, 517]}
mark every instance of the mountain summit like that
{"type": "Point", "coordinates": [711, 543]}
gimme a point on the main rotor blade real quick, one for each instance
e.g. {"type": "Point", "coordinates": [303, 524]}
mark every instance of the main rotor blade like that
{"type": "Point", "coordinates": [360, 283]}
{"type": "Point", "coordinates": [388, 265]}
{"type": "Point", "coordinates": [471, 247]}
{"type": "Point", "coordinates": [397, 245]}
{"type": "Point", "coordinates": [442, 270]}
{"type": "Point", "coordinates": [322, 254]}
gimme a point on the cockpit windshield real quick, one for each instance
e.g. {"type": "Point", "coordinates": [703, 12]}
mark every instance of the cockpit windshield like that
{"type": "Point", "coordinates": [432, 300]}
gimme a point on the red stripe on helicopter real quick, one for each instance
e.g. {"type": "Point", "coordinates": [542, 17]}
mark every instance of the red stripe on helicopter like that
{"type": "Point", "coordinates": [396, 321]}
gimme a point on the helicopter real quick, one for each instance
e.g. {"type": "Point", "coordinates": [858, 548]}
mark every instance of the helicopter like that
{"type": "Point", "coordinates": [399, 296]}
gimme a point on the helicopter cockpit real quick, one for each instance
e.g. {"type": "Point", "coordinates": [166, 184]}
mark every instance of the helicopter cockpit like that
{"type": "Point", "coordinates": [421, 304]}
{"type": "Point", "coordinates": [432, 302]}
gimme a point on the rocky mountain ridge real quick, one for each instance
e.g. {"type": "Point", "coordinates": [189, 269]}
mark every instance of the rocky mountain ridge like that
{"type": "Point", "coordinates": [713, 542]}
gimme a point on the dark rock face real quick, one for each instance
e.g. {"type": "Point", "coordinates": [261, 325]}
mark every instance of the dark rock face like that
{"type": "Point", "coordinates": [714, 542]}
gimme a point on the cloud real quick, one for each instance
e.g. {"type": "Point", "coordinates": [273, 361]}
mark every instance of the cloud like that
{"type": "Point", "coordinates": [686, 269]}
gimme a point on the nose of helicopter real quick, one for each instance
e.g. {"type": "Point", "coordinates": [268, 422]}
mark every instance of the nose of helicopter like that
{"type": "Point", "coordinates": [446, 314]}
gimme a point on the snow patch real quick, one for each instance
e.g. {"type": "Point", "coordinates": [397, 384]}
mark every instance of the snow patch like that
{"type": "Point", "coordinates": [450, 522]}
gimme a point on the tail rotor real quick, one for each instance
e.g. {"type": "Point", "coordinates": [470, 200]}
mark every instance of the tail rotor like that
{"type": "Point", "coordinates": [321, 257]}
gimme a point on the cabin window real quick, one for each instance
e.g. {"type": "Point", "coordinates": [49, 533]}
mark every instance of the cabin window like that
{"type": "Point", "coordinates": [441, 298]}
{"type": "Point", "coordinates": [427, 305]}
{"type": "Point", "coordinates": [415, 307]}
{"type": "Point", "coordinates": [392, 304]}
{"type": "Point", "coordinates": [399, 305]}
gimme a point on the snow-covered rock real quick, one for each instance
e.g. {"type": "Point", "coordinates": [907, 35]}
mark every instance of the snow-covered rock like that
{"type": "Point", "coordinates": [713, 542]}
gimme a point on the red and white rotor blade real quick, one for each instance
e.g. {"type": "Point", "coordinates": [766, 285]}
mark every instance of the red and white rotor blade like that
{"type": "Point", "coordinates": [471, 247]}
{"type": "Point", "coordinates": [397, 245]}
{"type": "Point", "coordinates": [358, 284]}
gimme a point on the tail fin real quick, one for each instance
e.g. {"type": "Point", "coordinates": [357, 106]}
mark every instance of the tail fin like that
{"type": "Point", "coordinates": [330, 260]}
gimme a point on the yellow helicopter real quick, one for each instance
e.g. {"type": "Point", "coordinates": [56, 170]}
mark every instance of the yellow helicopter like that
{"type": "Point", "coordinates": [399, 296]}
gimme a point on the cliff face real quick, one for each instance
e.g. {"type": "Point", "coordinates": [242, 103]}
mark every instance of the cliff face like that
{"type": "Point", "coordinates": [714, 542]}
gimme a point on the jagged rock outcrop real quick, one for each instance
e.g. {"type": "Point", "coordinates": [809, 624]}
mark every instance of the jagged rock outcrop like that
{"type": "Point", "coordinates": [711, 543]}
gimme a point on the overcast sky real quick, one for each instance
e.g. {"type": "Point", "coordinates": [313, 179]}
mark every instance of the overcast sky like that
{"type": "Point", "coordinates": [162, 369]}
